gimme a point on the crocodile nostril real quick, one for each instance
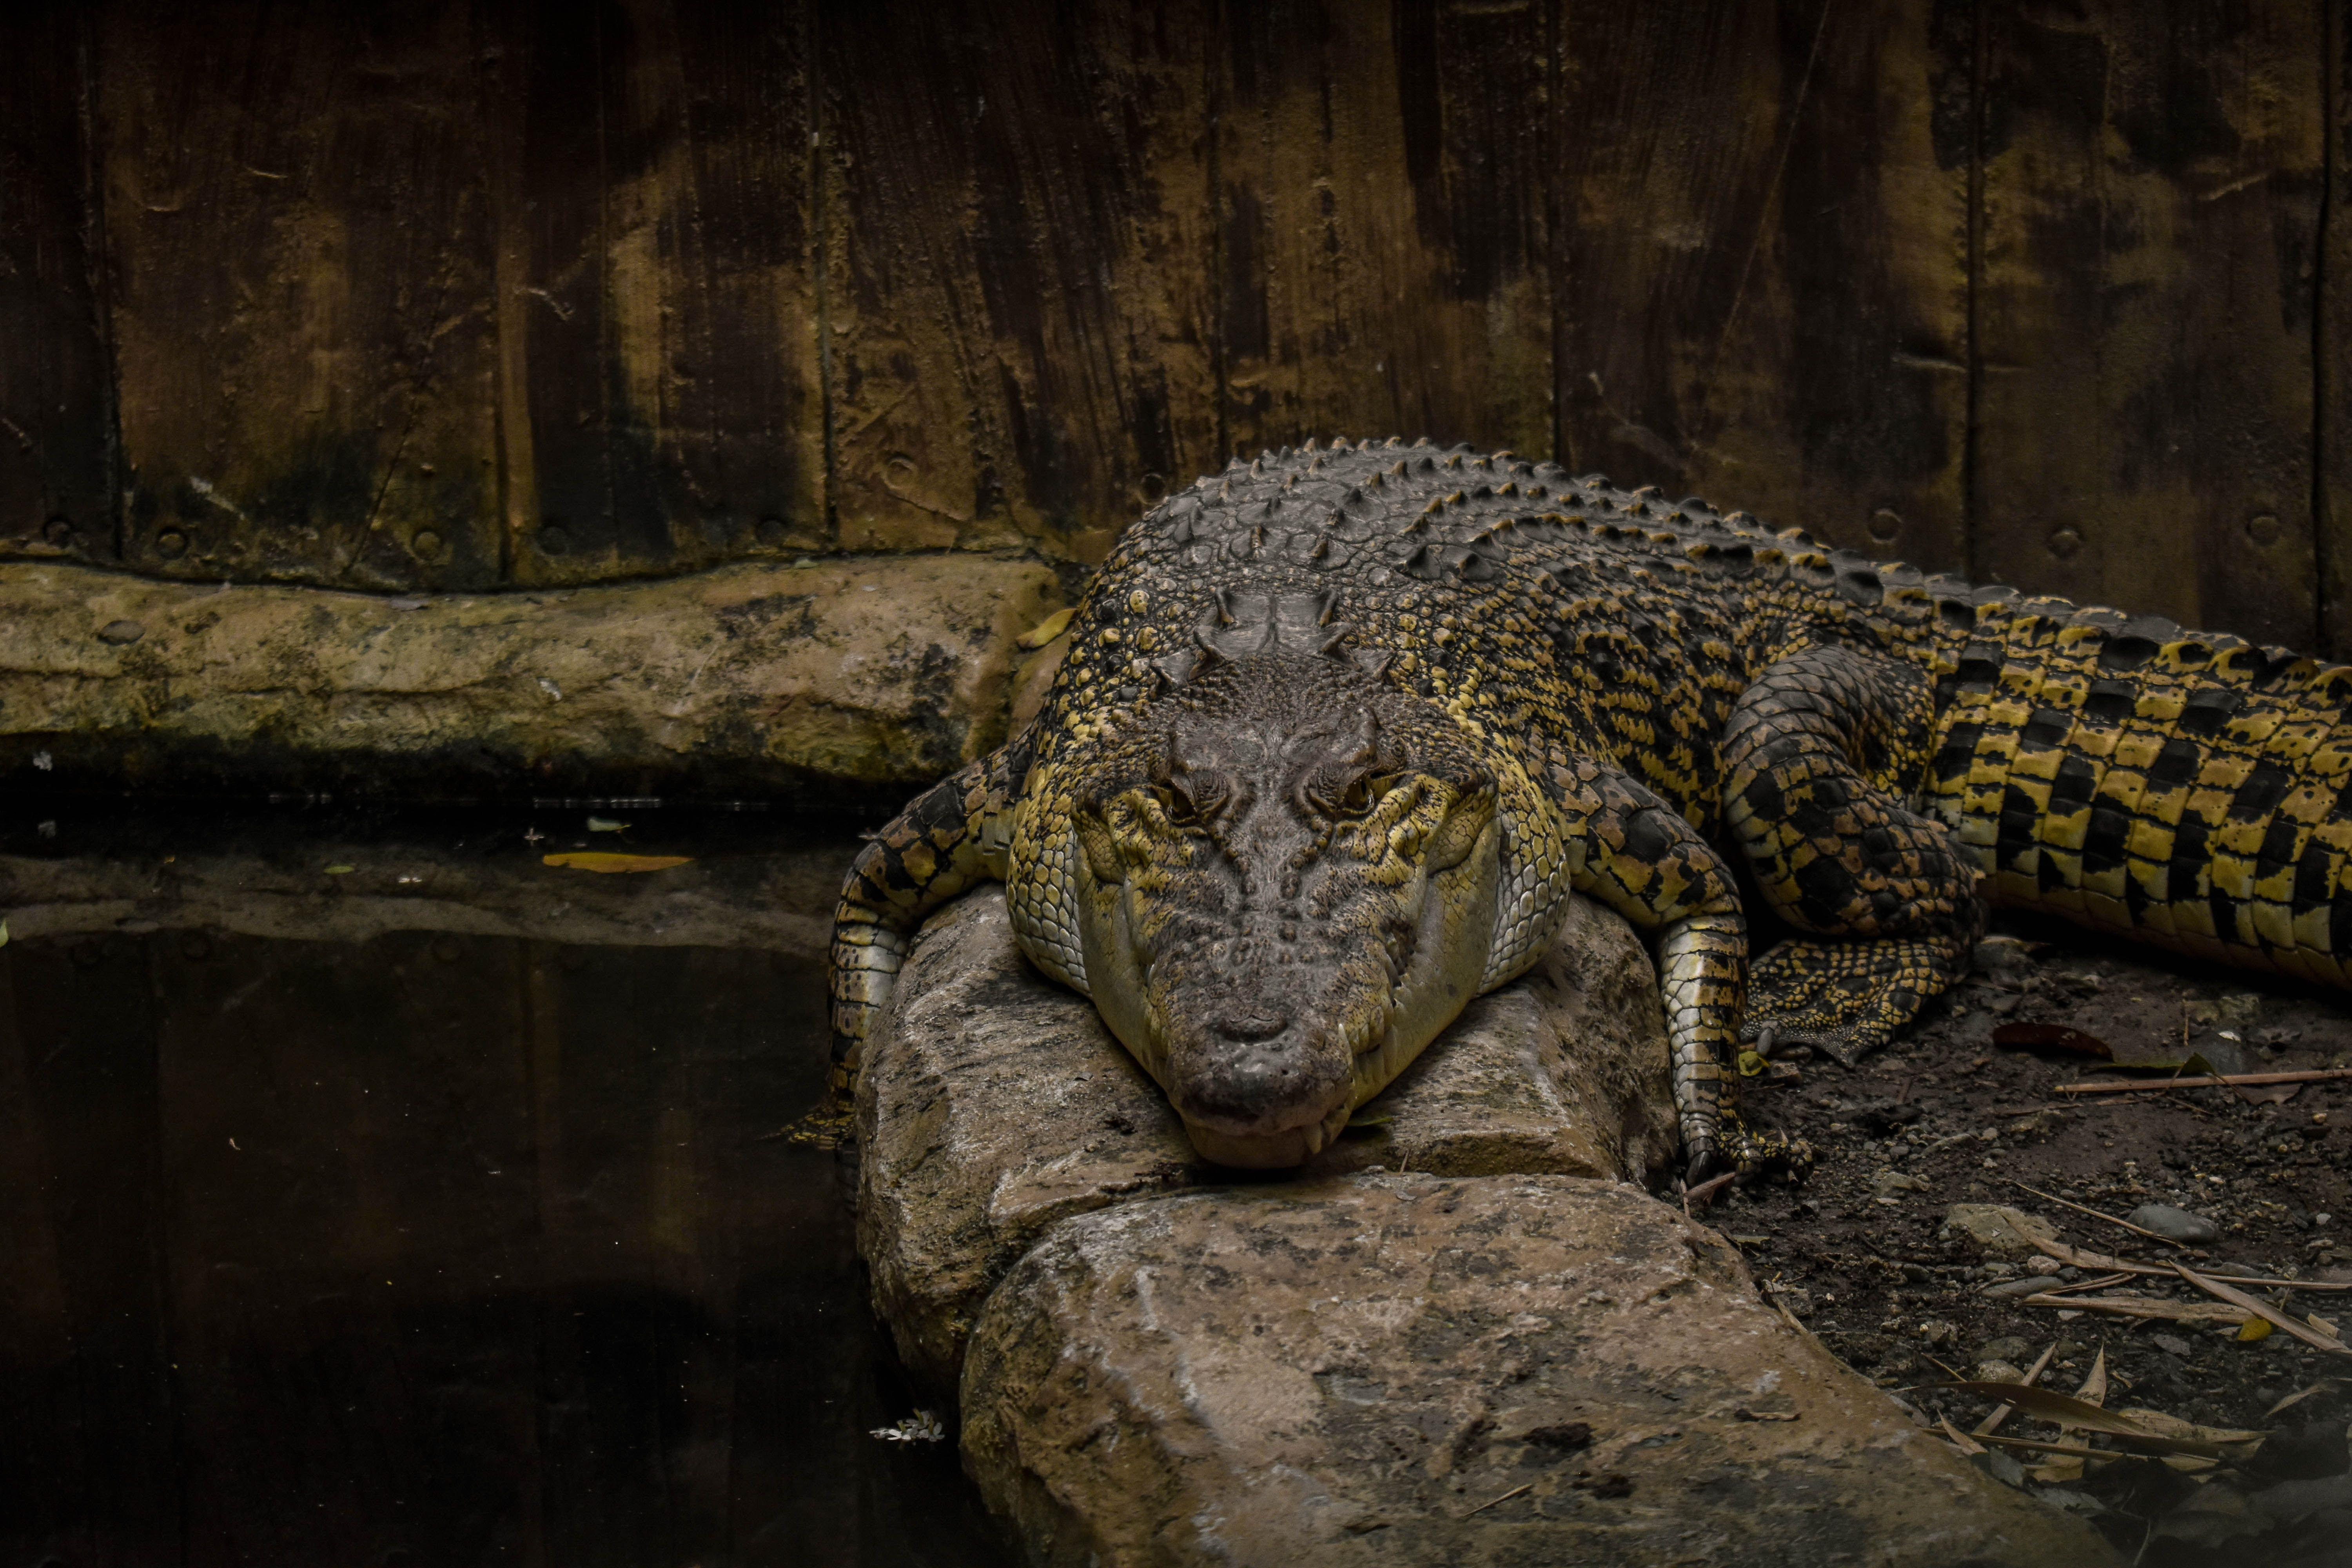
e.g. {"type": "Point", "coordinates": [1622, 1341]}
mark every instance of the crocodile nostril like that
{"type": "Point", "coordinates": [1251, 1026]}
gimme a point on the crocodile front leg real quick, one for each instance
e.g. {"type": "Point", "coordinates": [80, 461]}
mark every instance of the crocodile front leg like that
{"type": "Point", "coordinates": [1818, 758]}
{"type": "Point", "coordinates": [1634, 852]}
{"type": "Point", "coordinates": [953, 836]}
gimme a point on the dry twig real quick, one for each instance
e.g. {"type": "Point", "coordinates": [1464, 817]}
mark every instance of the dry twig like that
{"type": "Point", "coordinates": [2078, 1208]}
{"type": "Point", "coordinates": [2208, 1081]}
{"type": "Point", "coordinates": [2278, 1320]}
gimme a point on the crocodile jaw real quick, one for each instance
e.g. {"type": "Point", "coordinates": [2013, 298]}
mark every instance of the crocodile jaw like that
{"type": "Point", "coordinates": [1276, 1103]}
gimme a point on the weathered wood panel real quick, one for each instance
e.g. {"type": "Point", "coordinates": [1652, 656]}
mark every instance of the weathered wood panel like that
{"type": "Point", "coordinates": [56, 414]}
{"type": "Point", "coordinates": [2151, 182]}
{"type": "Point", "coordinates": [2332, 346]}
{"type": "Point", "coordinates": [297, 240]}
{"type": "Point", "coordinates": [1382, 224]}
{"type": "Point", "coordinates": [658, 287]}
{"type": "Point", "coordinates": [1762, 264]}
{"type": "Point", "coordinates": [1017, 207]}
{"type": "Point", "coordinates": [451, 295]}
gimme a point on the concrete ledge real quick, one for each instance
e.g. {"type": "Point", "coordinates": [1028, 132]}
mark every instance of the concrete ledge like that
{"type": "Point", "coordinates": [756, 679]}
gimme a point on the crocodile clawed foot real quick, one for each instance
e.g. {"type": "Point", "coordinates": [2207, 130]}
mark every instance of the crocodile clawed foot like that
{"type": "Point", "coordinates": [1758, 1155]}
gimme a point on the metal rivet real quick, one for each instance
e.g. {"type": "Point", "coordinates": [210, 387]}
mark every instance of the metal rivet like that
{"type": "Point", "coordinates": [2262, 529]}
{"type": "Point", "coordinates": [2065, 542]}
{"type": "Point", "coordinates": [58, 531]}
{"type": "Point", "coordinates": [171, 545]}
{"type": "Point", "coordinates": [426, 542]}
{"type": "Point", "coordinates": [554, 540]}
{"type": "Point", "coordinates": [1885, 525]}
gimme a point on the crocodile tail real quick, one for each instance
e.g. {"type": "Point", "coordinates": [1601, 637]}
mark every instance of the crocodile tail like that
{"type": "Point", "coordinates": [950, 837]}
{"type": "Point", "coordinates": [2185, 788]}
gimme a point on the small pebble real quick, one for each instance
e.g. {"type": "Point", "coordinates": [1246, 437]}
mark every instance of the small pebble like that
{"type": "Point", "coordinates": [2040, 1263]}
{"type": "Point", "coordinates": [2175, 1225]}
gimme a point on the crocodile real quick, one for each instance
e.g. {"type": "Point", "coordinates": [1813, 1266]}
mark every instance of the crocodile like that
{"type": "Point", "coordinates": [1339, 729]}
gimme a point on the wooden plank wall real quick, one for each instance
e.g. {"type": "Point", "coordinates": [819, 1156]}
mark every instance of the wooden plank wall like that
{"type": "Point", "coordinates": [458, 295]}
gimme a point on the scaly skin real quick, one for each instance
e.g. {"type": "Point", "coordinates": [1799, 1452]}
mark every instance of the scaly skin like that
{"type": "Point", "coordinates": [1338, 730]}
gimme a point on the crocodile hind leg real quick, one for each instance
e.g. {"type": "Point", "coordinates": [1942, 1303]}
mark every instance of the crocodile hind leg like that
{"type": "Point", "coordinates": [1819, 757]}
{"type": "Point", "coordinates": [951, 836]}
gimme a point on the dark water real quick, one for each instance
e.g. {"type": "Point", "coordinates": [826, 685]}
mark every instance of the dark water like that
{"type": "Point", "coordinates": [429, 1247]}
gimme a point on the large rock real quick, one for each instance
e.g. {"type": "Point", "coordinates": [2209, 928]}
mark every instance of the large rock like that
{"type": "Point", "coordinates": [744, 680]}
{"type": "Point", "coordinates": [1409, 1370]}
{"type": "Point", "coordinates": [993, 1103]}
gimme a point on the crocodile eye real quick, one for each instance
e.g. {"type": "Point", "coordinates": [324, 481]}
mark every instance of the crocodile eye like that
{"type": "Point", "coordinates": [1176, 804]}
{"type": "Point", "coordinates": [1355, 796]}
{"type": "Point", "coordinates": [1190, 803]}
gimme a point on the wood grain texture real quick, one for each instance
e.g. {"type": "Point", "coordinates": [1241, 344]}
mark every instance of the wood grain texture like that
{"type": "Point", "coordinates": [297, 228]}
{"type": "Point", "coordinates": [2332, 347]}
{"type": "Point", "coordinates": [56, 397]}
{"type": "Point", "coordinates": [1017, 217]}
{"type": "Point", "coordinates": [657, 289]}
{"type": "Point", "coordinates": [2151, 233]}
{"type": "Point", "coordinates": [1383, 223]}
{"type": "Point", "coordinates": [1761, 265]}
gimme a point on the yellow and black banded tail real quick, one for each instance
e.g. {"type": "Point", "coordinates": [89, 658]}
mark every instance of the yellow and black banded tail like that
{"type": "Point", "coordinates": [2188, 789]}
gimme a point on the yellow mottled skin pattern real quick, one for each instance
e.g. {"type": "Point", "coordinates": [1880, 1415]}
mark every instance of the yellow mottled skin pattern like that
{"type": "Point", "coordinates": [1340, 729]}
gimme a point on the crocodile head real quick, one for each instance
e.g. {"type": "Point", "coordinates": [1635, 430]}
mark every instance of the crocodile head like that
{"type": "Point", "coordinates": [1283, 884]}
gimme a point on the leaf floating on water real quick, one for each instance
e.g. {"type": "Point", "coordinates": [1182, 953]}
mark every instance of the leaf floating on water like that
{"type": "Point", "coordinates": [340, 870]}
{"type": "Point", "coordinates": [4, 933]}
{"type": "Point", "coordinates": [2051, 1037]}
{"type": "Point", "coordinates": [606, 825]}
{"type": "Point", "coordinates": [599, 861]}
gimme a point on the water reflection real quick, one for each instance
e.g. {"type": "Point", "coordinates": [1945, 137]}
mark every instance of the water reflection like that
{"type": "Point", "coordinates": [431, 1246]}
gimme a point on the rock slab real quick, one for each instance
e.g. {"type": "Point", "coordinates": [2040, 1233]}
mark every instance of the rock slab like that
{"type": "Point", "coordinates": [992, 1104]}
{"type": "Point", "coordinates": [1386, 1369]}
{"type": "Point", "coordinates": [743, 679]}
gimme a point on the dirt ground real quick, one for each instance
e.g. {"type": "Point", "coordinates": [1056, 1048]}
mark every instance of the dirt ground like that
{"type": "Point", "coordinates": [1862, 1253]}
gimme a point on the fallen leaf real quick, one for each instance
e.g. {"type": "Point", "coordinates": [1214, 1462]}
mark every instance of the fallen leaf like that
{"type": "Point", "coordinates": [2165, 1425]}
{"type": "Point", "coordinates": [1750, 1064]}
{"type": "Point", "coordinates": [598, 860]}
{"type": "Point", "coordinates": [2066, 1411]}
{"type": "Point", "coordinates": [340, 870]}
{"type": "Point", "coordinates": [2051, 1037]}
{"type": "Point", "coordinates": [1046, 630]}
{"type": "Point", "coordinates": [4, 933]}
{"type": "Point", "coordinates": [2254, 1329]}
{"type": "Point", "coordinates": [1965, 1445]}
{"type": "Point", "coordinates": [2268, 1094]}
{"type": "Point", "coordinates": [606, 825]}
{"type": "Point", "coordinates": [2300, 1394]}
{"type": "Point", "coordinates": [2095, 1387]}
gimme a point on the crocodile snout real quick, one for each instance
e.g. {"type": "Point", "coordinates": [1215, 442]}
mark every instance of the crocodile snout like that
{"type": "Point", "coordinates": [1251, 1024]}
